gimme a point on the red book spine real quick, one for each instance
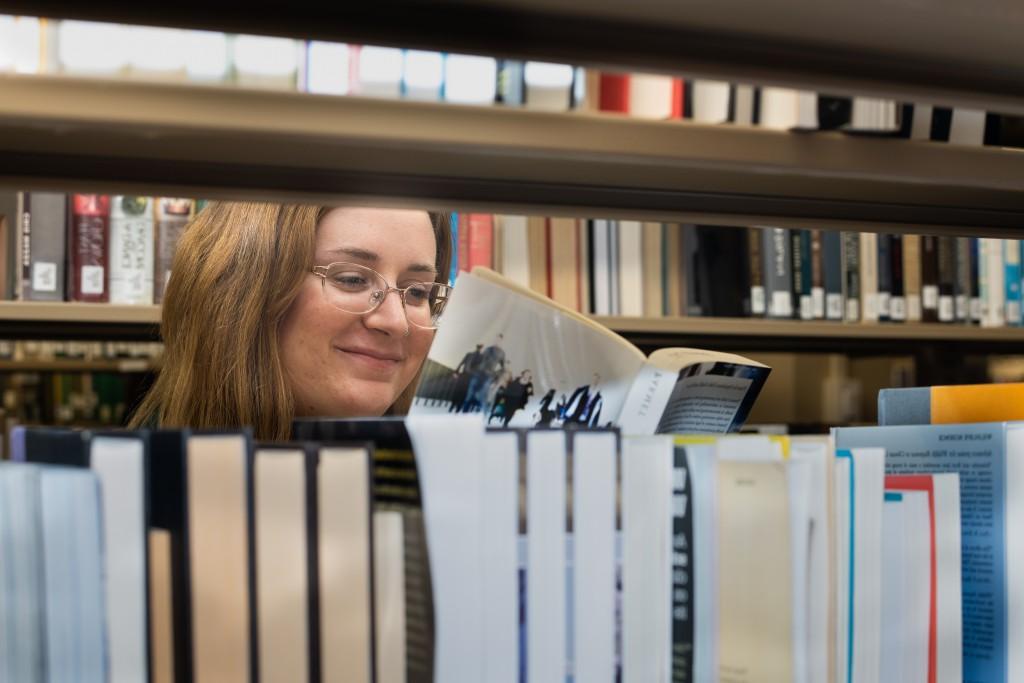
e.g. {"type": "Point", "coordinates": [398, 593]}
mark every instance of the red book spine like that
{"type": "Point", "coordinates": [481, 240]}
{"type": "Point", "coordinates": [89, 248]}
{"type": "Point", "coordinates": [678, 98]}
{"type": "Point", "coordinates": [463, 247]}
{"type": "Point", "coordinates": [614, 93]}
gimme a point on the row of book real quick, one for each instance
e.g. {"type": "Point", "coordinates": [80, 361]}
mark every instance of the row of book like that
{"type": "Point", "coordinates": [89, 247]}
{"type": "Point", "coordinates": [31, 45]}
{"type": "Point", "coordinates": [633, 268]}
{"type": "Point", "coordinates": [37, 351]}
{"type": "Point", "coordinates": [436, 549]}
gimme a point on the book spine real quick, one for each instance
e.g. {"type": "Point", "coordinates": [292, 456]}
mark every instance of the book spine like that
{"type": "Point", "coordinates": [975, 305]}
{"type": "Point", "coordinates": [601, 287]}
{"type": "Point", "coordinates": [462, 246]}
{"type": "Point", "coordinates": [778, 272]}
{"type": "Point", "coordinates": [45, 246]}
{"type": "Point", "coordinates": [929, 279]}
{"type": "Point", "coordinates": [947, 279]}
{"type": "Point", "coordinates": [817, 276]}
{"type": "Point", "coordinates": [963, 280]}
{"type": "Point", "coordinates": [89, 248]}
{"type": "Point", "coordinates": [800, 260]}
{"type": "Point", "coordinates": [884, 266]}
{"type": "Point", "coordinates": [131, 250]}
{"type": "Point", "coordinates": [993, 284]}
{"type": "Point", "coordinates": [869, 277]}
{"type": "Point", "coordinates": [912, 276]}
{"type": "Point", "coordinates": [481, 240]}
{"type": "Point", "coordinates": [23, 249]}
{"type": "Point", "coordinates": [851, 276]}
{"type": "Point", "coordinates": [172, 215]}
{"type": "Point", "coordinates": [1011, 256]}
{"type": "Point", "coordinates": [832, 265]}
{"type": "Point", "coordinates": [682, 571]}
{"type": "Point", "coordinates": [614, 92]}
{"type": "Point", "coordinates": [758, 306]}
{"type": "Point", "coordinates": [691, 265]}
{"type": "Point", "coordinates": [898, 300]}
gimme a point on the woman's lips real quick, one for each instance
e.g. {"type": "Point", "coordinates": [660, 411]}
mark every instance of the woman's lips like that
{"type": "Point", "coordinates": [371, 358]}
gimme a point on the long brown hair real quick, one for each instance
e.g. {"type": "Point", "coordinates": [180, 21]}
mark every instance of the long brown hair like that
{"type": "Point", "coordinates": [235, 273]}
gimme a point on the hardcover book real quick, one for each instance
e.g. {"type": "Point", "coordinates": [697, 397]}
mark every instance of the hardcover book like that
{"type": "Point", "coordinates": [531, 362]}
{"type": "Point", "coordinates": [88, 248]}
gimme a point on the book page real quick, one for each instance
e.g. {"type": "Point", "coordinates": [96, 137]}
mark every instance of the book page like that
{"type": "Point", "coordinates": [523, 361]}
{"type": "Point", "coordinates": [691, 391]}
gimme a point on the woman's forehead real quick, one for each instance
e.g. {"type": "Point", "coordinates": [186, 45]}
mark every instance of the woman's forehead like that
{"type": "Point", "coordinates": [389, 234]}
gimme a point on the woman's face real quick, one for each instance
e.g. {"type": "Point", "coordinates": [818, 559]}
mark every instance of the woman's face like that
{"type": "Point", "coordinates": [341, 364]}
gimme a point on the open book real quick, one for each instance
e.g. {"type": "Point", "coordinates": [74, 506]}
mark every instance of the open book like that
{"type": "Point", "coordinates": [524, 360]}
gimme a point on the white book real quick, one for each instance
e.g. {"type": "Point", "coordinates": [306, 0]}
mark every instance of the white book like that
{"type": "Point", "coordinates": [156, 53]}
{"type": "Point", "coordinates": [282, 592]}
{"type": "Point", "coordinates": [548, 86]}
{"type": "Point", "coordinates": [710, 101]}
{"type": "Point", "coordinates": [451, 481]}
{"type": "Point", "coordinates": [208, 58]}
{"type": "Point", "coordinates": [631, 268]}
{"type": "Point", "coordinates": [72, 538]}
{"type": "Point", "coordinates": [993, 282]}
{"type": "Point", "coordinates": [650, 96]}
{"type": "Point", "coordinates": [92, 48]}
{"type": "Point", "coordinates": [743, 104]}
{"type": "Point", "coordinates": [921, 126]}
{"type": "Point", "coordinates": [327, 68]}
{"type": "Point", "coordinates": [874, 114]}
{"type": "Point", "coordinates": [20, 44]}
{"type": "Point", "coordinates": [646, 558]}
{"type": "Point", "coordinates": [601, 236]}
{"type": "Point", "coordinates": [469, 79]}
{"type": "Point", "coordinates": [422, 75]}
{"type": "Point", "coordinates": [594, 499]}
{"type": "Point", "coordinates": [22, 598]}
{"type": "Point", "coordinates": [515, 248]}
{"type": "Point", "coordinates": [545, 555]}
{"type": "Point", "coordinates": [389, 596]}
{"type": "Point", "coordinates": [131, 250]}
{"type": "Point", "coordinates": [379, 72]}
{"type": "Point", "coordinates": [264, 62]}
{"type": "Point", "coordinates": [344, 526]}
{"type": "Point", "coordinates": [499, 523]}
{"type": "Point", "coordinates": [967, 127]}
{"type": "Point", "coordinates": [119, 463]}
{"type": "Point", "coordinates": [785, 109]}
{"type": "Point", "coordinates": [948, 592]}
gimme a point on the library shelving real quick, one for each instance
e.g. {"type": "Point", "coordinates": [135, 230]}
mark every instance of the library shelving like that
{"type": "Point", "coordinates": [188, 140]}
{"type": "Point", "coordinates": [64, 320]}
{"type": "Point", "coordinates": [941, 51]}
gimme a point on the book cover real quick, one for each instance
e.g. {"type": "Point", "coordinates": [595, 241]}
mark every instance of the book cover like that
{"type": "Point", "coordinates": [778, 272]}
{"type": "Point", "coordinates": [43, 246]}
{"type": "Point", "coordinates": [987, 457]}
{"type": "Point", "coordinates": [869, 293]}
{"type": "Point", "coordinates": [817, 275]}
{"type": "Point", "coordinates": [851, 276]}
{"type": "Point", "coordinates": [929, 279]}
{"type": "Point", "coordinates": [947, 278]}
{"type": "Point", "coordinates": [912, 276]}
{"type": "Point", "coordinates": [170, 218]}
{"type": "Point", "coordinates": [964, 403]}
{"type": "Point", "coordinates": [89, 248]}
{"type": "Point", "coordinates": [534, 363]}
{"type": "Point", "coordinates": [131, 250]}
{"type": "Point", "coordinates": [614, 92]}
{"type": "Point", "coordinates": [564, 267]}
{"type": "Point", "coordinates": [758, 307]}
{"type": "Point", "coordinates": [1012, 277]}
{"type": "Point", "coordinates": [547, 86]}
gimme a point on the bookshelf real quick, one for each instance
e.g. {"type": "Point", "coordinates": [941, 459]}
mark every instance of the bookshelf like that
{"type": "Point", "coordinates": [202, 141]}
{"type": "Point", "coordinates": [941, 51]}
{"type": "Point", "coordinates": [64, 320]}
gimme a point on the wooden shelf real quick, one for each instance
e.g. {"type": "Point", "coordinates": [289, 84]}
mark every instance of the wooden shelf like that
{"type": "Point", "coordinates": [63, 320]}
{"type": "Point", "coordinates": [211, 142]}
{"type": "Point", "coordinates": [120, 365]}
{"type": "Point", "coordinates": [940, 51]}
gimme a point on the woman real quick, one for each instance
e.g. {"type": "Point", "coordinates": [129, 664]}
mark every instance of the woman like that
{"type": "Point", "coordinates": [282, 311]}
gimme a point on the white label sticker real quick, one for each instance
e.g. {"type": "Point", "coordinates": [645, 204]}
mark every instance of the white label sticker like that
{"type": "Point", "coordinates": [883, 304]}
{"type": "Point", "coordinates": [962, 308]}
{"type": "Point", "coordinates": [92, 280]}
{"type": "Point", "coordinates": [818, 302]}
{"type": "Point", "coordinates": [946, 309]}
{"type": "Point", "coordinates": [976, 309]}
{"type": "Point", "coordinates": [834, 306]}
{"type": "Point", "coordinates": [930, 295]}
{"type": "Point", "coordinates": [44, 276]}
{"type": "Point", "coordinates": [782, 305]}
{"type": "Point", "coordinates": [914, 307]}
{"type": "Point", "coordinates": [898, 308]}
{"type": "Point", "coordinates": [853, 310]}
{"type": "Point", "coordinates": [871, 307]}
{"type": "Point", "coordinates": [757, 301]}
{"type": "Point", "coordinates": [1013, 313]}
{"type": "Point", "coordinates": [806, 308]}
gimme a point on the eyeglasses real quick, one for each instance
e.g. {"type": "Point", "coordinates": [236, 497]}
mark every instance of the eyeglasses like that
{"type": "Point", "coordinates": [357, 289]}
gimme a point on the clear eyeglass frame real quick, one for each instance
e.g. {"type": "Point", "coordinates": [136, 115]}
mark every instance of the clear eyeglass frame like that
{"type": "Point", "coordinates": [434, 295]}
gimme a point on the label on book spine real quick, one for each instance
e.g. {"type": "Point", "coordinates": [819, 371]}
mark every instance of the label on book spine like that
{"type": "Point", "coordinates": [834, 306]}
{"type": "Point", "coordinates": [930, 296]}
{"type": "Point", "coordinates": [1013, 311]}
{"type": "Point", "coordinates": [44, 276]}
{"type": "Point", "coordinates": [852, 310]}
{"type": "Point", "coordinates": [962, 307]}
{"type": "Point", "coordinates": [884, 299]}
{"type": "Point", "coordinates": [806, 307]}
{"type": "Point", "coordinates": [946, 312]}
{"type": "Point", "coordinates": [898, 308]}
{"type": "Point", "coordinates": [818, 302]}
{"type": "Point", "coordinates": [914, 308]}
{"type": "Point", "coordinates": [782, 304]}
{"type": "Point", "coordinates": [757, 301]}
{"type": "Point", "coordinates": [92, 280]}
{"type": "Point", "coordinates": [975, 308]}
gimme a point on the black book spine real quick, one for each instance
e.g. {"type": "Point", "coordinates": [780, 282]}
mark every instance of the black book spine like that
{"type": "Point", "coordinates": [947, 278]}
{"type": "Point", "coordinates": [851, 276]}
{"type": "Point", "coordinates": [898, 301]}
{"type": "Point", "coordinates": [963, 280]}
{"type": "Point", "coordinates": [974, 304]}
{"type": "Point", "coordinates": [683, 595]}
{"type": "Point", "coordinates": [884, 276]}
{"type": "Point", "coordinates": [929, 279]}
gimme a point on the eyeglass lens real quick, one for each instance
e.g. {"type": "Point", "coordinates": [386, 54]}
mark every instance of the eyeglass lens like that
{"type": "Point", "coordinates": [357, 289]}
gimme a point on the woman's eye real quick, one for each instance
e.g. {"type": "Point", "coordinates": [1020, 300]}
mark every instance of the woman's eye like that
{"type": "Point", "coordinates": [351, 281]}
{"type": "Point", "coordinates": [417, 294]}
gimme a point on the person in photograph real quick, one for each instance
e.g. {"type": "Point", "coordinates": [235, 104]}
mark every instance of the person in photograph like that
{"type": "Point", "coordinates": [491, 366]}
{"type": "Point", "coordinates": [584, 404]}
{"type": "Point", "coordinates": [278, 311]}
{"type": "Point", "coordinates": [464, 371]}
{"type": "Point", "coordinates": [516, 395]}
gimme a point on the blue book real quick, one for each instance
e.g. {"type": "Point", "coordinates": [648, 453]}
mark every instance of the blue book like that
{"type": "Point", "coordinates": [990, 460]}
{"type": "Point", "coordinates": [1011, 251]}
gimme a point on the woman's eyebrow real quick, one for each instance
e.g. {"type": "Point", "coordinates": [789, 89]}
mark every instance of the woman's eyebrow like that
{"type": "Point", "coordinates": [372, 257]}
